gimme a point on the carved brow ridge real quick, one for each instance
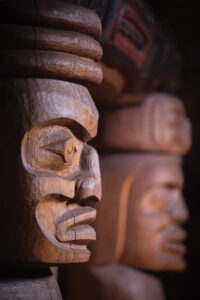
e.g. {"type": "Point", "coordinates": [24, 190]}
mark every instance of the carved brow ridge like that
{"type": "Point", "coordinates": [76, 128]}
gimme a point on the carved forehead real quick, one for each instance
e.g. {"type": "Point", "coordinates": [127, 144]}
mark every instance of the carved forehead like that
{"type": "Point", "coordinates": [54, 102]}
{"type": "Point", "coordinates": [146, 169]}
{"type": "Point", "coordinates": [166, 173]}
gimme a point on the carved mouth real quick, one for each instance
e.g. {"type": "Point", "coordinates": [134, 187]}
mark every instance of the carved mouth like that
{"type": "Point", "coordinates": [175, 248]}
{"type": "Point", "coordinates": [172, 246]}
{"type": "Point", "coordinates": [66, 225]}
{"type": "Point", "coordinates": [73, 225]}
{"type": "Point", "coordinates": [172, 239]}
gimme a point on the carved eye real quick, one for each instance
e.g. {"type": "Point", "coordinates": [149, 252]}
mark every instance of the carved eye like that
{"type": "Point", "coordinates": [69, 150]}
{"type": "Point", "coordinates": [64, 148]}
{"type": "Point", "coordinates": [156, 201]}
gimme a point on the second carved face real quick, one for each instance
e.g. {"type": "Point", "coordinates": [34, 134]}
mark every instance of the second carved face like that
{"type": "Point", "coordinates": [144, 212]}
{"type": "Point", "coordinates": [155, 211]}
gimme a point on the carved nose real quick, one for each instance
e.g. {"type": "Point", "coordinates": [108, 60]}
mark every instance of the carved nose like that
{"type": "Point", "coordinates": [179, 210]}
{"type": "Point", "coordinates": [89, 183]}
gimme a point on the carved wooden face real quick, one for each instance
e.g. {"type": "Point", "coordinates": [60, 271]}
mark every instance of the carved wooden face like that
{"type": "Point", "coordinates": [172, 129]}
{"type": "Point", "coordinates": [156, 209]}
{"type": "Point", "coordinates": [57, 174]}
{"type": "Point", "coordinates": [138, 221]}
{"type": "Point", "coordinates": [61, 172]}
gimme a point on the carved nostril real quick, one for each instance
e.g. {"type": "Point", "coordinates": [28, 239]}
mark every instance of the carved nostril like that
{"type": "Point", "coordinates": [89, 190]}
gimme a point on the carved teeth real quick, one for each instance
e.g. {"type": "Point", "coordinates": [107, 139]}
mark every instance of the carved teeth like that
{"type": "Point", "coordinates": [73, 226]}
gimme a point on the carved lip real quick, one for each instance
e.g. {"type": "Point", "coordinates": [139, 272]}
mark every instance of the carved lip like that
{"type": "Point", "coordinates": [73, 225]}
{"type": "Point", "coordinates": [175, 248]}
{"type": "Point", "coordinates": [172, 239]}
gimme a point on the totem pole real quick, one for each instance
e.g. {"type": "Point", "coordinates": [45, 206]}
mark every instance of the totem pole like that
{"type": "Point", "coordinates": [49, 174]}
{"type": "Point", "coordinates": [143, 133]}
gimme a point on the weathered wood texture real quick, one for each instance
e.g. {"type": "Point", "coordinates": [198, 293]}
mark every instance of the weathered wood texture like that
{"type": "Point", "coordinates": [41, 38]}
{"type": "Point", "coordinates": [139, 218]}
{"type": "Point", "coordinates": [158, 124]}
{"type": "Point", "coordinates": [48, 64]}
{"type": "Point", "coordinates": [29, 285]}
{"type": "Point", "coordinates": [114, 282]}
{"type": "Point", "coordinates": [61, 52]}
{"type": "Point", "coordinates": [49, 174]}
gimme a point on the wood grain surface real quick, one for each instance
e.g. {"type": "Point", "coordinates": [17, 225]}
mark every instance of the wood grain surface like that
{"type": "Point", "coordinates": [48, 64]}
{"type": "Point", "coordinates": [40, 38]}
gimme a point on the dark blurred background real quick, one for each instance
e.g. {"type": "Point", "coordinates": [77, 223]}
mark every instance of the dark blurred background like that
{"type": "Point", "coordinates": [183, 19]}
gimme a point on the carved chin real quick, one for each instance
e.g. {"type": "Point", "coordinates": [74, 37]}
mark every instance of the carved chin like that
{"type": "Point", "coordinates": [66, 225]}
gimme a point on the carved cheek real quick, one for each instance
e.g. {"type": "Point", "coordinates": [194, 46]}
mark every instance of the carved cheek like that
{"type": "Point", "coordinates": [48, 185]}
{"type": "Point", "coordinates": [155, 201]}
{"type": "Point", "coordinates": [142, 227]}
{"type": "Point", "coordinates": [154, 214]}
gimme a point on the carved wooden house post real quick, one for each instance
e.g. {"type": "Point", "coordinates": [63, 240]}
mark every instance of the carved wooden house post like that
{"type": "Point", "coordinates": [49, 174]}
